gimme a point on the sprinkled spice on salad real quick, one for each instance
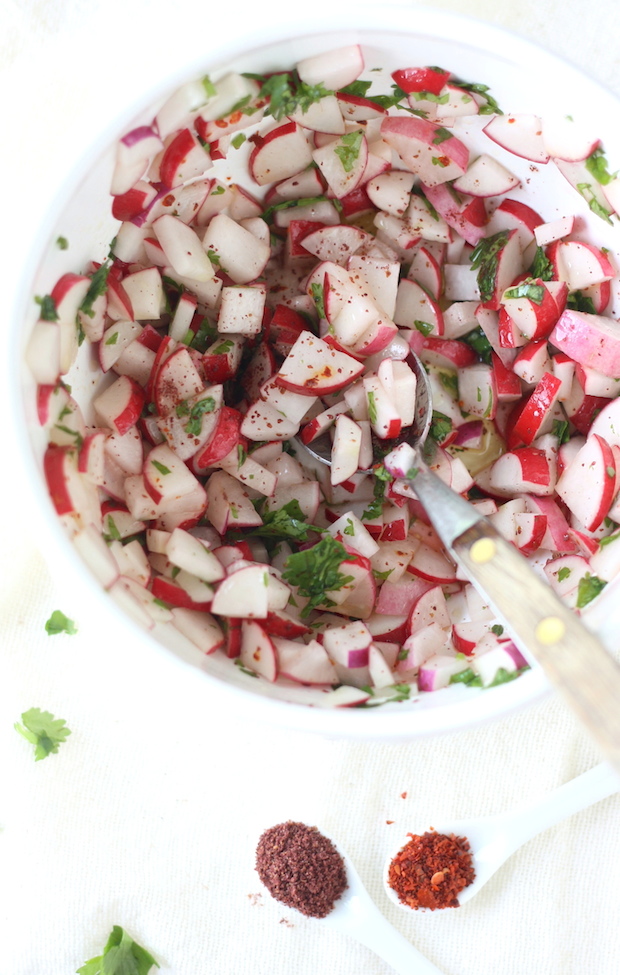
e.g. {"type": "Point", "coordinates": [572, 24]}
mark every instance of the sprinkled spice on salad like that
{"type": "Point", "coordinates": [285, 241]}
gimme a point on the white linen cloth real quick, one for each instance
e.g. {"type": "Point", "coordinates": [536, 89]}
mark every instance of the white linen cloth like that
{"type": "Point", "coordinates": [148, 816]}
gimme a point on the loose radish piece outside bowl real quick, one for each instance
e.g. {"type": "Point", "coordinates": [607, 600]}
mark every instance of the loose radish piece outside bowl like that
{"type": "Point", "coordinates": [274, 247]}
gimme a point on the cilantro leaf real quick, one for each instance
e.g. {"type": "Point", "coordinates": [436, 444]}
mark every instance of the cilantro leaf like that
{"type": "Point", "coordinates": [441, 427]}
{"type": "Point", "coordinates": [561, 430]}
{"type": "Point", "coordinates": [542, 267]}
{"type": "Point", "coordinates": [375, 508]}
{"type": "Point", "coordinates": [358, 88]}
{"type": "Point", "coordinates": [59, 623]}
{"type": "Point", "coordinates": [48, 311]}
{"type": "Point", "coordinates": [479, 342]}
{"type": "Point", "coordinates": [121, 956]}
{"type": "Point", "coordinates": [348, 149]}
{"type": "Point", "coordinates": [390, 694]}
{"type": "Point", "coordinates": [317, 293]}
{"type": "Point", "coordinates": [596, 164]}
{"type": "Point", "coordinates": [527, 289]}
{"type": "Point", "coordinates": [97, 287]}
{"type": "Point", "coordinates": [288, 521]}
{"type": "Point", "coordinates": [316, 571]}
{"type": "Point", "coordinates": [42, 730]}
{"type": "Point", "coordinates": [193, 427]}
{"type": "Point", "coordinates": [580, 302]}
{"type": "Point", "coordinates": [484, 258]}
{"type": "Point", "coordinates": [588, 589]}
{"type": "Point", "coordinates": [286, 93]}
{"type": "Point", "coordinates": [490, 106]}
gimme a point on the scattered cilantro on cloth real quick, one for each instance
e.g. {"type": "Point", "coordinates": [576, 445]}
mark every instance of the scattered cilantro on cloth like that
{"type": "Point", "coordinates": [43, 730]}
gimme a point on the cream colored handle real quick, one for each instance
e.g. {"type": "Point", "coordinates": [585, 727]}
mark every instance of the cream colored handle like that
{"type": "Point", "coordinates": [543, 627]}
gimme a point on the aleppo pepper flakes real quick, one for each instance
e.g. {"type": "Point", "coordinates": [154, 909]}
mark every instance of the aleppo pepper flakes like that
{"type": "Point", "coordinates": [301, 868]}
{"type": "Point", "coordinates": [431, 870]}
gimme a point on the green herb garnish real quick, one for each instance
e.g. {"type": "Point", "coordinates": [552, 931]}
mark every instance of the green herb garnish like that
{"type": "Point", "coordinates": [62, 243]}
{"type": "Point", "coordinates": [527, 289]}
{"type": "Point", "coordinates": [561, 430]}
{"type": "Point", "coordinates": [318, 297]}
{"type": "Point", "coordinates": [541, 267]}
{"type": "Point", "coordinates": [193, 427]}
{"type": "Point", "coordinates": [441, 427]}
{"type": "Point", "coordinates": [48, 311]}
{"type": "Point", "coordinates": [42, 730]}
{"type": "Point", "coordinates": [372, 407]}
{"type": "Point", "coordinates": [160, 467]}
{"type": "Point", "coordinates": [316, 571]}
{"type": "Point", "coordinates": [97, 287]}
{"type": "Point", "coordinates": [479, 342]}
{"type": "Point", "coordinates": [287, 94]}
{"type": "Point", "coordinates": [348, 149]}
{"type": "Point", "coordinates": [580, 302]}
{"type": "Point", "coordinates": [288, 521]}
{"type": "Point", "coordinates": [484, 258]}
{"type": "Point", "coordinates": [588, 589]}
{"type": "Point", "coordinates": [59, 623]}
{"type": "Point", "coordinates": [121, 956]}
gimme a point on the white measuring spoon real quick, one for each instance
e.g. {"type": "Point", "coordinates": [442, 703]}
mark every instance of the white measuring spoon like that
{"type": "Point", "coordinates": [495, 838]}
{"type": "Point", "coordinates": [356, 915]}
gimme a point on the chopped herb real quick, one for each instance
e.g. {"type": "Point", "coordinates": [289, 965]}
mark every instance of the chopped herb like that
{"type": "Point", "coordinates": [596, 164]}
{"type": "Point", "coordinates": [238, 140]}
{"type": "Point", "coordinates": [595, 205]}
{"type": "Point", "coordinates": [223, 348]}
{"type": "Point", "coordinates": [97, 287]}
{"type": "Point", "coordinates": [450, 382]}
{"type": "Point", "coordinates": [490, 106]}
{"type": "Point", "coordinates": [588, 589]}
{"type": "Point", "coordinates": [372, 407]}
{"type": "Point", "coordinates": [316, 571]}
{"type": "Point", "coordinates": [610, 471]}
{"type": "Point", "coordinates": [424, 327]}
{"type": "Point", "coordinates": [71, 433]}
{"type": "Point", "coordinates": [527, 289]}
{"type": "Point", "coordinates": [358, 88]}
{"type": "Point", "coordinates": [350, 529]}
{"type": "Point", "coordinates": [305, 201]}
{"type": "Point", "coordinates": [467, 676]}
{"type": "Point", "coordinates": [442, 161]}
{"type": "Point", "coordinates": [609, 539]}
{"type": "Point", "coordinates": [348, 149]}
{"type": "Point", "coordinates": [244, 669]}
{"type": "Point", "coordinates": [561, 430]}
{"type": "Point", "coordinates": [429, 96]}
{"type": "Point", "coordinates": [214, 257]}
{"type": "Point", "coordinates": [241, 455]}
{"type": "Point", "coordinates": [112, 533]}
{"type": "Point", "coordinates": [394, 692]}
{"type": "Point", "coordinates": [42, 730]}
{"type": "Point", "coordinates": [160, 467]}
{"type": "Point", "coordinates": [121, 956]}
{"type": "Point", "coordinates": [478, 341]}
{"type": "Point", "coordinates": [317, 293]}
{"type": "Point", "coordinates": [48, 311]}
{"type": "Point", "coordinates": [375, 508]}
{"type": "Point", "coordinates": [381, 577]}
{"type": "Point", "coordinates": [497, 629]}
{"type": "Point", "coordinates": [112, 340]}
{"type": "Point", "coordinates": [218, 190]}
{"type": "Point", "coordinates": [563, 573]}
{"type": "Point", "coordinates": [412, 473]}
{"type": "Point", "coordinates": [441, 427]}
{"type": "Point", "coordinates": [193, 427]}
{"type": "Point", "coordinates": [441, 134]}
{"type": "Point", "coordinates": [288, 521]}
{"type": "Point", "coordinates": [209, 87]}
{"type": "Point", "coordinates": [580, 302]}
{"type": "Point", "coordinates": [541, 267]}
{"type": "Point", "coordinates": [59, 623]}
{"type": "Point", "coordinates": [503, 676]}
{"type": "Point", "coordinates": [62, 243]}
{"type": "Point", "coordinates": [287, 94]}
{"type": "Point", "coordinates": [484, 258]}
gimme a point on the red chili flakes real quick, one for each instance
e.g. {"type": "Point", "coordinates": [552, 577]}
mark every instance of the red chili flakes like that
{"type": "Point", "coordinates": [431, 870]}
{"type": "Point", "coordinates": [403, 795]}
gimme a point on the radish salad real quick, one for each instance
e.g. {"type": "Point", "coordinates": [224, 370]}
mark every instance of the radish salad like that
{"type": "Point", "coordinates": [285, 242]}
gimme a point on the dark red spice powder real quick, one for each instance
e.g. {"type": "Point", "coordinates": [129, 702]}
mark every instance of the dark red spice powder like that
{"type": "Point", "coordinates": [431, 870]}
{"type": "Point", "coordinates": [301, 868]}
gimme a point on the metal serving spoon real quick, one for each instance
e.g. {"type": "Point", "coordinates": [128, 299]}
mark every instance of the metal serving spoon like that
{"type": "Point", "coordinates": [543, 628]}
{"type": "Point", "coordinates": [495, 838]}
{"type": "Point", "coordinates": [356, 915]}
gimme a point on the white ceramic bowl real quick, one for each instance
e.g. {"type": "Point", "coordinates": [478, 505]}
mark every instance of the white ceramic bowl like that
{"type": "Point", "coordinates": [76, 207]}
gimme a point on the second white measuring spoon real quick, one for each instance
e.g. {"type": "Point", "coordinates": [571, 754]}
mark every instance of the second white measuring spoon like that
{"type": "Point", "coordinates": [494, 838]}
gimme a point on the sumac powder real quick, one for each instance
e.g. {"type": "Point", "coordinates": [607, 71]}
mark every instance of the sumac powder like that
{"type": "Point", "coordinates": [301, 868]}
{"type": "Point", "coordinates": [431, 870]}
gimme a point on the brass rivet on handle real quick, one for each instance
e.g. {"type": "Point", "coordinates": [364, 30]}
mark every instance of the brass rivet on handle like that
{"type": "Point", "coordinates": [550, 630]}
{"type": "Point", "coordinates": [482, 550]}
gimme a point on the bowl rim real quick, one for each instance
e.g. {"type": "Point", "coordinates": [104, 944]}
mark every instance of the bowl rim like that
{"type": "Point", "coordinates": [459, 715]}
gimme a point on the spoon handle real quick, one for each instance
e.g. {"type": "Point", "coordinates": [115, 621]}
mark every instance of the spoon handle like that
{"type": "Point", "coordinates": [577, 794]}
{"type": "Point", "coordinates": [380, 936]}
{"type": "Point", "coordinates": [542, 626]}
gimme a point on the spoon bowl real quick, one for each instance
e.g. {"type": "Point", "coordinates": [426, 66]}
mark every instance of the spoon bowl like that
{"type": "Point", "coordinates": [495, 838]}
{"type": "Point", "coordinates": [356, 915]}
